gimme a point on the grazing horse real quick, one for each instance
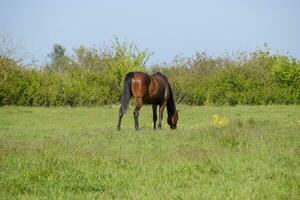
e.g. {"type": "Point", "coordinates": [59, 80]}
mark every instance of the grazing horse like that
{"type": "Point", "coordinates": [155, 90]}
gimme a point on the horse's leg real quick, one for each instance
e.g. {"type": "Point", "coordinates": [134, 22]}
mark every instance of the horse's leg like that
{"type": "Point", "coordinates": [161, 110]}
{"type": "Point", "coordinates": [154, 109]}
{"type": "Point", "coordinates": [121, 113]}
{"type": "Point", "coordinates": [138, 105]}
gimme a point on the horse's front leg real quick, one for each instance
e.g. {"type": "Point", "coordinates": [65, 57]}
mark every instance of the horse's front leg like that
{"type": "Point", "coordinates": [138, 105]}
{"type": "Point", "coordinates": [154, 109]}
{"type": "Point", "coordinates": [161, 110]}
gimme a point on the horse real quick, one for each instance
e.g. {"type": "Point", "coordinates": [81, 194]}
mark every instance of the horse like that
{"type": "Point", "coordinates": [146, 89]}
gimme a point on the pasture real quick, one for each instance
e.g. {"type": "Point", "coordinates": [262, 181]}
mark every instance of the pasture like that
{"type": "Point", "coordinates": [246, 152]}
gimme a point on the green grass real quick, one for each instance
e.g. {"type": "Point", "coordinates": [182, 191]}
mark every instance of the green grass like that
{"type": "Point", "coordinates": [62, 153]}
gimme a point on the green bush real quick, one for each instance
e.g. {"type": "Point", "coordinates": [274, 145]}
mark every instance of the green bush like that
{"type": "Point", "coordinates": [95, 77]}
{"type": "Point", "coordinates": [255, 79]}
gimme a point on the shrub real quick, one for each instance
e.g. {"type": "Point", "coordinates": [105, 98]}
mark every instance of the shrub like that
{"type": "Point", "coordinates": [95, 77]}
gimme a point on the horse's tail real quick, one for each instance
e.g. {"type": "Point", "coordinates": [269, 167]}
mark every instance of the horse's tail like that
{"type": "Point", "coordinates": [126, 91]}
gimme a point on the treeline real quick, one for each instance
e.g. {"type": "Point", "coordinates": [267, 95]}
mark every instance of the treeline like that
{"type": "Point", "coordinates": [256, 78]}
{"type": "Point", "coordinates": [91, 77]}
{"type": "Point", "coordinates": [94, 77]}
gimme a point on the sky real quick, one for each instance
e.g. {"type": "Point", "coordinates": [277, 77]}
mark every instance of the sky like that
{"type": "Point", "coordinates": [165, 27]}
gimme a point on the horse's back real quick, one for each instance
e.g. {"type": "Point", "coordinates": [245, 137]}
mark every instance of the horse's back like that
{"type": "Point", "coordinates": [152, 89]}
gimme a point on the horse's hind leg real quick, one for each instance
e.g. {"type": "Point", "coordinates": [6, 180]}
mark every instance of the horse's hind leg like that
{"type": "Point", "coordinates": [154, 109]}
{"type": "Point", "coordinates": [121, 113]}
{"type": "Point", "coordinates": [138, 105]}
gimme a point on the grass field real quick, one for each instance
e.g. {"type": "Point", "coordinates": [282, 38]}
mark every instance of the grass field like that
{"type": "Point", "coordinates": [62, 153]}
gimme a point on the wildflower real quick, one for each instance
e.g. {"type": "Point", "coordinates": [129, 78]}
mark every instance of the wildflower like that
{"type": "Point", "coordinates": [219, 121]}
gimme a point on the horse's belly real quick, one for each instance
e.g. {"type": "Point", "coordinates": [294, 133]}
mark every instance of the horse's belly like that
{"type": "Point", "coordinates": [150, 100]}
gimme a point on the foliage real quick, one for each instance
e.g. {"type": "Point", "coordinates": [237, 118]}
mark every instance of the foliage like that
{"type": "Point", "coordinates": [254, 79]}
{"type": "Point", "coordinates": [59, 61]}
{"type": "Point", "coordinates": [95, 77]}
{"type": "Point", "coordinates": [91, 77]}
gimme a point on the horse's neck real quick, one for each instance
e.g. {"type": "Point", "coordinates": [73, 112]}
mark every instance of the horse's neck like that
{"type": "Point", "coordinates": [171, 105]}
{"type": "Point", "coordinates": [160, 80]}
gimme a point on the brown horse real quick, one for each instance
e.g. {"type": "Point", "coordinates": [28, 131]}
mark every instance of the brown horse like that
{"type": "Point", "coordinates": [155, 90]}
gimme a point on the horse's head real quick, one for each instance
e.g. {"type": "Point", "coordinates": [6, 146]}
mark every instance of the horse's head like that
{"type": "Point", "coordinates": [172, 120]}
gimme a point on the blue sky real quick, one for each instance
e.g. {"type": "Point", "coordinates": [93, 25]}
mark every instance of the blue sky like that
{"type": "Point", "coordinates": [165, 27]}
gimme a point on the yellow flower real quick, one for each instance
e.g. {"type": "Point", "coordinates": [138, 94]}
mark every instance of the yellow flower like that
{"type": "Point", "coordinates": [219, 121]}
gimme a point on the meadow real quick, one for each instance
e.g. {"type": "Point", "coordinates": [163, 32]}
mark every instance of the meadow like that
{"type": "Point", "coordinates": [217, 152]}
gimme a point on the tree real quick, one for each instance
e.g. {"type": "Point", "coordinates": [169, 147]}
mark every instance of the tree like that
{"type": "Point", "coordinates": [59, 61]}
{"type": "Point", "coordinates": [10, 48]}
